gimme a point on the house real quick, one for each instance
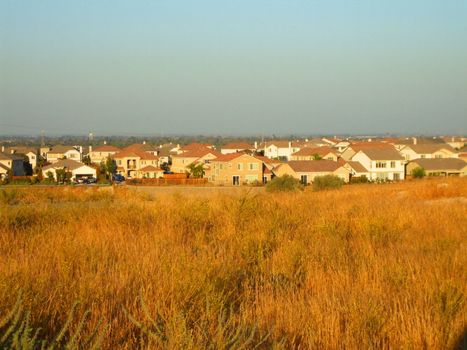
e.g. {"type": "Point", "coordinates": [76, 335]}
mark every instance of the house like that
{"type": "Point", "coordinates": [306, 171]}
{"type": "Point", "coordinates": [354, 147]}
{"type": "Point", "coordinates": [356, 169]}
{"type": "Point", "coordinates": [338, 144]}
{"type": "Point", "coordinates": [235, 147]}
{"type": "Point", "coordinates": [237, 169]}
{"type": "Point", "coordinates": [181, 162]}
{"type": "Point", "coordinates": [455, 142]}
{"type": "Point", "coordinates": [142, 148]}
{"type": "Point", "coordinates": [433, 150]}
{"type": "Point", "coordinates": [166, 151]}
{"type": "Point", "coordinates": [63, 152]}
{"type": "Point", "coordinates": [13, 163]}
{"type": "Point", "coordinates": [195, 147]}
{"type": "Point", "coordinates": [130, 163]}
{"type": "Point", "coordinates": [382, 163]}
{"type": "Point", "coordinates": [77, 169]}
{"type": "Point", "coordinates": [314, 153]}
{"type": "Point", "coordinates": [439, 166]}
{"type": "Point", "coordinates": [101, 153]}
{"type": "Point", "coordinates": [281, 150]}
{"type": "Point", "coordinates": [29, 152]}
{"type": "Point", "coordinates": [151, 172]}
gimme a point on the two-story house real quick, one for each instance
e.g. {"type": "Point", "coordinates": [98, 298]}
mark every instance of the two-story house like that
{"type": "Point", "coordinates": [236, 169]}
{"type": "Point", "coordinates": [382, 164]}
{"type": "Point", "coordinates": [136, 164]}
{"type": "Point", "coordinates": [235, 147]}
{"type": "Point", "coordinates": [101, 153]}
{"type": "Point", "coordinates": [182, 161]}
{"type": "Point", "coordinates": [59, 152]}
{"type": "Point", "coordinates": [432, 150]}
{"type": "Point", "coordinates": [29, 152]}
{"type": "Point", "coordinates": [315, 153]}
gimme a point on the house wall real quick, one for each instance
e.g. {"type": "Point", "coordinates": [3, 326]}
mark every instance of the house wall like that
{"type": "Point", "coordinates": [381, 173]}
{"type": "Point", "coordinates": [410, 154]}
{"type": "Point", "coordinates": [273, 151]}
{"type": "Point", "coordinates": [249, 170]}
{"type": "Point", "coordinates": [81, 171]}
{"type": "Point", "coordinates": [98, 157]}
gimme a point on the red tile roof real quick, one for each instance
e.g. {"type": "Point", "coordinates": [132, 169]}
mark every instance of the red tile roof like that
{"type": "Point", "coordinates": [106, 148]}
{"type": "Point", "coordinates": [237, 145]}
{"type": "Point", "coordinates": [305, 166]}
{"type": "Point", "coordinates": [150, 168]}
{"type": "Point", "coordinates": [309, 151]}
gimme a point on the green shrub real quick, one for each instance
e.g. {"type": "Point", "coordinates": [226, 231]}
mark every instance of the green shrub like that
{"type": "Point", "coordinates": [327, 182]}
{"type": "Point", "coordinates": [285, 183]}
{"type": "Point", "coordinates": [418, 172]}
{"type": "Point", "coordinates": [359, 180]}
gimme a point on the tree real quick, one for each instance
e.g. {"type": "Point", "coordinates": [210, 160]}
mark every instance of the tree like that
{"type": "Point", "coordinates": [316, 156]}
{"type": "Point", "coordinates": [418, 172]}
{"type": "Point", "coordinates": [285, 183]}
{"type": "Point", "coordinates": [110, 167]}
{"type": "Point", "coordinates": [165, 166]}
{"type": "Point", "coordinates": [196, 170]}
{"type": "Point", "coordinates": [87, 159]}
{"type": "Point", "coordinates": [61, 175]}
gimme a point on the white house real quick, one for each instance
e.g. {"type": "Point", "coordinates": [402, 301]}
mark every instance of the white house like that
{"type": "Point", "coordinates": [382, 164]}
{"type": "Point", "coordinates": [77, 169]}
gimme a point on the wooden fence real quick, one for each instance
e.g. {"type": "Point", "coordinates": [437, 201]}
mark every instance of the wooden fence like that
{"type": "Point", "coordinates": [167, 182]}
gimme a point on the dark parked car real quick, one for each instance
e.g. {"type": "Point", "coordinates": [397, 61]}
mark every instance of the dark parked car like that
{"type": "Point", "coordinates": [118, 178]}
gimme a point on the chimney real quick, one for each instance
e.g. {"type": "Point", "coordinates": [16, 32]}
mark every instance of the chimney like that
{"type": "Point", "coordinates": [256, 144]}
{"type": "Point", "coordinates": [105, 142]}
{"type": "Point", "coordinates": [290, 145]}
{"type": "Point", "coordinates": [90, 149]}
{"type": "Point", "coordinates": [414, 140]}
{"type": "Point", "coordinates": [3, 148]}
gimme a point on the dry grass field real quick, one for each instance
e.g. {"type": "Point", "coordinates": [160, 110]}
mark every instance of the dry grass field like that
{"type": "Point", "coordinates": [366, 266]}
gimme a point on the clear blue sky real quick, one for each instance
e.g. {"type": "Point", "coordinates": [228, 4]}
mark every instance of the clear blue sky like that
{"type": "Point", "coordinates": [233, 67]}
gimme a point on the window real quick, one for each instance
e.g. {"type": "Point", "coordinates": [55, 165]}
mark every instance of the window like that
{"type": "Point", "coordinates": [265, 179]}
{"type": "Point", "coordinates": [240, 166]}
{"type": "Point", "coordinates": [253, 166]}
{"type": "Point", "coordinates": [251, 178]}
{"type": "Point", "coordinates": [381, 164]}
{"type": "Point", "coordinates": [396, 176]}
{"type": "Point", "coordinates": [382, 176]}
{"type": "Point", "coordinates": [393, 164]}
{"type": "Point", "coordinates": [423, 156]}
{"type": "Point", "coordinates": [438, 156]}
{"type": "Point", "coordinates": [235, 180]}
{"type": "Point", "coordinates": [304, 179]}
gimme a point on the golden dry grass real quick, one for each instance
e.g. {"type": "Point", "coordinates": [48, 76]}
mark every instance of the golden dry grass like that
{"type": "Point", "coordinates": [367, 266]}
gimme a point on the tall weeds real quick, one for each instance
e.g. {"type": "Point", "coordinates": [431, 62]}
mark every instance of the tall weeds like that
{"type": "Point", "coordinates": [364, 266]}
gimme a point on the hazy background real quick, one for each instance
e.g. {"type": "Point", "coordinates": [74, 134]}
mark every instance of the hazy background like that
{"type": "Point", "coordinates": [233, 67]}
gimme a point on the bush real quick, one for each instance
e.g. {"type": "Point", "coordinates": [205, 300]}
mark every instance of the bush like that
{"type": "Point", "coordinates": [359, 180]}
{"type": "Point", "coordinates": [327, 182]}
{"type": "Point", "coordinates": [285, 183]}
{"type": "Point", "coordinates": [418, 172]}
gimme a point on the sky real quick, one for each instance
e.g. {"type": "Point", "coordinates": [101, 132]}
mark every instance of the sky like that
{"type": "Point", "coordinates": [229, 67]}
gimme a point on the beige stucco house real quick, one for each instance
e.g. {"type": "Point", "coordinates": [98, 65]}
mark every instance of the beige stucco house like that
{"type": "Point", "coordinates": [354, 147]}
{"type": "Point", "coordinates": [235, 147]}
{"type": "Point", "coordinates": [29, 152]}
{"type": "Point", "coordinates": [181, 162]}
{"type": "Point", "coordinates": [306, 171]}
{"type": "Point", "coordinates": [382, 164]}
{"type": "Point", "coordinates": [356, 169]}
{"type": "Point", "coordinates": [77, 169]}
{"type": "Point", "coordinates": [439, 166]}
{"type": "Point", "coordinates": [59, 152]}
{"type": "Point", "coordinates": [130, 164]}
{"type": "Point", "coordinates": [235, 169]}
{"type": "Point", "coordinates": [432, 150]}
{"type": "Point", "coordinates": [310, 153]}
{"type": "Point", "coordinates": [101, 153]}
